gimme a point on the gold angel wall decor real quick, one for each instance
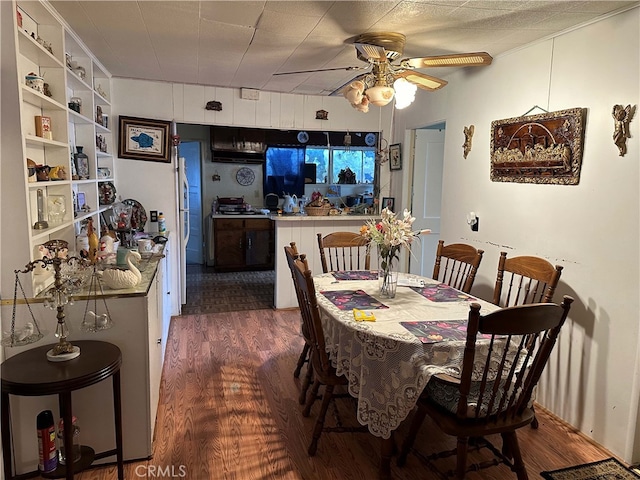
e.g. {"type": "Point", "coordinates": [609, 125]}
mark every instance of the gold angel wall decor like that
{"type": "Point", "coordinates": [622, 117]}
{"type": "Point", "coordinates": [468, 138]}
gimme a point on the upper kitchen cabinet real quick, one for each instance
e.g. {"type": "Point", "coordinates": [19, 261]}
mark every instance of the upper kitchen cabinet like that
{"type": "Point", "coordinates": [235, 139]}
{"type": "Point", "coordinates": [55, 99]}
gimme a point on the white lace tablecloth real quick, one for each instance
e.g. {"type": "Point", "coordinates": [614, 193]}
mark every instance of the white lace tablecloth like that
{"type": "Point", "coordinates": [387, 366]}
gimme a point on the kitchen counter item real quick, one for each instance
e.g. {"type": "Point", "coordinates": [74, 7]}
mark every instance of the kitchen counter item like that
{"type": "Point", "coordinates": [138, 214]}
{"type": "Point", "coordinates": [271, 201]}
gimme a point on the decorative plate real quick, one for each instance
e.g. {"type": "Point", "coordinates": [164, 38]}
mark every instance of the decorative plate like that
{"type": "Point", "coordinates": [245, 176]}
{"type": "Point", "coordinates": [106, 193]}
{"type": "Point", "coordinates": [370, 139]}
{"type": "Point", "coordinates": [138, 214]}
{"type": "Point", "coordinates": [303, 137]}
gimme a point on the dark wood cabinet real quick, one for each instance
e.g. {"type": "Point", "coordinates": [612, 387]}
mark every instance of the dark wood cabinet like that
{"type": "Point", "coordinates": [243, 244]}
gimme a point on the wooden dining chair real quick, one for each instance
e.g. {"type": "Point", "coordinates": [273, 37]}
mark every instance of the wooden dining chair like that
{"type": "Point", "coordinates": [291, 253]}
{"type": "Point", "coordinates": [504, 356]}
{"type": "Point", "coordinates": [457, 265]}
{"type": "Point", "coordinates": [344, 251]}
{"type": "Point", "coordinates": [324, 374]}
{"type": "Point", "coordinates": [525, 279]}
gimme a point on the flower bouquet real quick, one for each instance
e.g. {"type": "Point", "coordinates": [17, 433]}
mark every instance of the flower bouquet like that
{"type": "Point", "coordinates": [390, 234]}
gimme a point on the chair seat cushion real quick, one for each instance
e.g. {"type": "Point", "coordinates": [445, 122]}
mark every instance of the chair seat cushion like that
{"type": "Point", "coordinates": [446, 395]}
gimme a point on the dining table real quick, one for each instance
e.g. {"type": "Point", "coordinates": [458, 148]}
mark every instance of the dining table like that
{"type": "Point", "coordinates": [390, 358]}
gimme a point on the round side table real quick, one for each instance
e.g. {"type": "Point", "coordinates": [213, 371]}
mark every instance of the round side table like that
{"type": "Point", "coordinates": [30, 374]}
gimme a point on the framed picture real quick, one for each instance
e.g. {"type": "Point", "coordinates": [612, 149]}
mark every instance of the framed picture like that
{"type": "Point", "coordinates": [144, 139]}
{"type": "Point", "coordinates": [395, 160]}
{"type": "Point", "coordinates": [388, 202]}
{"type": "Point", "coordinates": [80, 199]}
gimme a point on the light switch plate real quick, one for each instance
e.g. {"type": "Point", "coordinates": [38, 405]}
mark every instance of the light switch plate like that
{"type": "Point", "coordinates": [153, 216]}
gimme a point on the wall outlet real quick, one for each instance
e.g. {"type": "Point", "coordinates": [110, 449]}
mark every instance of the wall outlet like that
{"type": "Point", "coordinates": [153, 216]}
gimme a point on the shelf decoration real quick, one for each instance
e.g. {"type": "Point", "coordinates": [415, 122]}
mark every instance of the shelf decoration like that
{"type": "Point", "coordinates": [144, 139]}
{"type": "Point", "coordinates": [43, 127]}
{"type": "Point", "coordinates": [70, 274]}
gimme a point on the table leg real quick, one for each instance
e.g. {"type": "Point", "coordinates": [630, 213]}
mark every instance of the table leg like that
{"type": "Point", "coordinates": [64, 400]}
{"type": "Point", "coordinates": [117, 411]}
{"type": "Point", "coordinates": [6, 435]}
{"type": "Point", "coordinates": [386, 450]}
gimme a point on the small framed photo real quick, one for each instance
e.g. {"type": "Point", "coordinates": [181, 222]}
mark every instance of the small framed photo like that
{"type": "Point", "coordinates": [389, 202]}
{"type": "Point", "coordinates": [144, 139]}
{"type": "Point", "coordinates": [81, 201]}
{"type": "Point", "coordinates": [395, 160]}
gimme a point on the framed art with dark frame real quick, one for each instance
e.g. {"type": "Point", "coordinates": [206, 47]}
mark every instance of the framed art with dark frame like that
{"type": "Point", "coordinates": [389, 202]}
{"type": "Point", "coordinates": [395, 159]}
{"type": "Point", "coordinates": [144, 139]}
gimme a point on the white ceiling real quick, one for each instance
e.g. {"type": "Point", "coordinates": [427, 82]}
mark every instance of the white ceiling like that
{"type": "Point", "coordinates": [242, 44]}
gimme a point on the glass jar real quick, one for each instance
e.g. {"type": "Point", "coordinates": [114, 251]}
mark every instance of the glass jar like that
{"type": "Point", "coordinates": [77, 452]}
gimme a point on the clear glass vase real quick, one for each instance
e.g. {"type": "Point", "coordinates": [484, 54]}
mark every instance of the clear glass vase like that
{"type": "Point", "coordinates": [387, 277]}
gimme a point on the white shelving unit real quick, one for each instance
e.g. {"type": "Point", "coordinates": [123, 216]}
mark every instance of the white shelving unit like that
{"type": "Point", "coordinates": [44, 46]}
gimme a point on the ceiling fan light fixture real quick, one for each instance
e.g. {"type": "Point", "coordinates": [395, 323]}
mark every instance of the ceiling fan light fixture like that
{"type": "Point", "coordinates": [405, 93]}
{"type": "Point", "coordinates": [380, 95]}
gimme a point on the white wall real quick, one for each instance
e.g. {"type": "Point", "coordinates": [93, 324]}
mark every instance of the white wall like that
{"type": "Point", "coordinates": [591, 228]}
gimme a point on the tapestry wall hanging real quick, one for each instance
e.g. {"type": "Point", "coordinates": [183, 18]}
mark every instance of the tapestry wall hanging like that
{"type": "Point", "coordinates": [543, 148]}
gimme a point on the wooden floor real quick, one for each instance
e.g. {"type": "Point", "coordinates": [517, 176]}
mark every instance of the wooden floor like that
{"type": "Point", "coordinates": [229, 410]}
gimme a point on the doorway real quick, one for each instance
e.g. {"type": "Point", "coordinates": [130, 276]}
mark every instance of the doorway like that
{"type": "Point", "coordinates": [190, 151]}
{"type": "Point", "coordinates": [426, 194]}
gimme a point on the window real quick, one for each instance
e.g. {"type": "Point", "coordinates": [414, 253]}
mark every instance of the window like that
{"type": "Point", "coordinates": [284, 171]}
{"type": "Point", "coordinates": [330, 161]}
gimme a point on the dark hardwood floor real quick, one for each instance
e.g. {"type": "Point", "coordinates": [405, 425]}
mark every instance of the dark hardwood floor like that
{"type": "Point", "coordinates": [229, 410]}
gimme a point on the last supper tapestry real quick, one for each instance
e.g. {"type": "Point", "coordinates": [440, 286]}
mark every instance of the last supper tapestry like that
{"type": "Point", "coordinates": [543, 148]}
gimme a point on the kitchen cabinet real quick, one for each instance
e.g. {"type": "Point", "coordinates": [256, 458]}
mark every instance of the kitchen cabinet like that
{"type": "Point", "coordinates": [243, 244]}
{"type": "Point", "coordinates": [71, 91]}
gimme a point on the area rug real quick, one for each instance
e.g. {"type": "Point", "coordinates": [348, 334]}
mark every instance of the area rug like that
{"type": "Point", "coordinates": [609, 469]}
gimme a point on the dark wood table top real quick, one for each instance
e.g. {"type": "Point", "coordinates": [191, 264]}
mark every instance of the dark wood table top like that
{"type": "Point", "coordinates": [30, 373]}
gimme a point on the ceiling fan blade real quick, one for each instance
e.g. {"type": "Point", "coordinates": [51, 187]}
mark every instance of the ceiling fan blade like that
{"type": "Point", "coordinates": [454, 60]}
{"type": "Point", "coordinates": [425, 82]}
{"type": "Point", "coordinates": [321, 70]}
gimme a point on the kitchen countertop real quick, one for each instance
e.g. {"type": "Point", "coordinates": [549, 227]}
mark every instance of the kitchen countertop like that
{"type": "Point", "coordinates": [295, 217]}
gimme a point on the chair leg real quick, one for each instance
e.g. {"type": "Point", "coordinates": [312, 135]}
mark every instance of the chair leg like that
{"type": "Point", "coordinates": [534, 422]}
{"type": "Point", "coordinates": [317, 430]}
{"type": "Point", "coordinates": [301, 360]}
{"type": "Point", "coordinates": [311, 397]}
{"type": "Point", "coordinates": [411, 436]}
{"type": "Point", "coordinates": [305, 384]}
{"type": "Point", "coordinates": [461, 457]}
{"type": "Point", "coordinates": [518, 465]}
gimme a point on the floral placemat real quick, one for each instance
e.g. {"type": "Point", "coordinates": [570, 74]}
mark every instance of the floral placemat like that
{"type": "Point", "coordinates": [440, 331]}
{"type": "Point", "coordinates": [442, 293]}
{"type": "Point", "coordinates": [350, 299]}
{"type": "Point", "coordinates": [356, 275]}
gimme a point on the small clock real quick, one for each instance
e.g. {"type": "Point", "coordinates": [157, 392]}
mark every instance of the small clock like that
{"type": "Point", "coordinates": [245, 176]}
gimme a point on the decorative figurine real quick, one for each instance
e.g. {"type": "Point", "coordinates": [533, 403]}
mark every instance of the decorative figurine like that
{"type": "Point", "coordinates": [622, 116]}
{"type": "Point", "coordinates": [468, 137]}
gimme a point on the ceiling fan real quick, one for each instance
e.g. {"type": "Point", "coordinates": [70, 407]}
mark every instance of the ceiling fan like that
{"type": "Point", "coordinates": [382, 51]}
